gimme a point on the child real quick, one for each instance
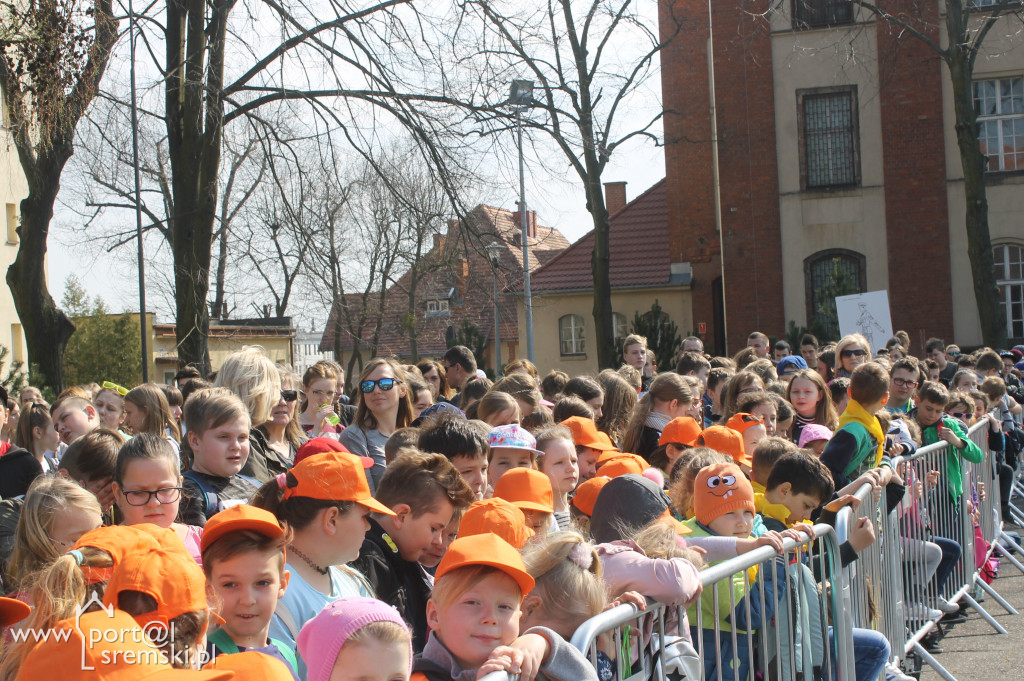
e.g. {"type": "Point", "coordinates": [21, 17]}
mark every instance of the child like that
{"type": "Point", "coordinates": [324, 501]}
{"type": "Point", "coordinates": [785, 416]}
{"type": "Point", "coordinates": [146, 411]}
{"type": "Point", "coordinates": [531, 491]}
{"type": "Point", "coordinates": [752, 429]}
{"type": "Point", "coordinates": [463, 444]}
{"type": "Point", "coordinates": [767, 452]}
{"type": "Point", "coordinates": [679, 435]}
{"type": "Point", "coordinates": [498, 408]}
{"type": "Point", "coordinates": [589, 444]}
{"type": "Point", "coordinates": [669, 397]}
{"type": "Point", "coordinates": [839, 388]}
{"type": "Point", "coordinates": [583, 502]}
{"type": "Point", "coordinates": [422, 491]}
{"type": "Point", "coordinates": [812, 401]}
{"type": "Point", "coordinates": [762, 405]}
{"type": "Point", "coordinates": [33, 453]}
{"type": "Point", "coordinates": [510, 447]}
{"type": "Point", "coordinates": [717, 380]}
{"type": "Point", "coordinates": [403, 438]}
{"type": "Point", "coordinates": [147, 488]}
{"type": "Point", "coordinates": [859, 444]}
{"type": "Point", "coordinates": [218, 435]}
{"type": "Point", "coordinates": [474, 616]}
{"type": "Point", "coordinates": [568, 588]}
{"type": "Point", "coordinates": [815, 438]}
{"type": "Point", "coordinates": [73, 414]}
{"type": "Point", "coordinates": [796, 486]}
{"type": "Point", "coordinates": [319, 389]}
{"type": "Point", "coordinates": [356, 638]}
{"type": "Point", "coordinates": [960, 407]}
{"type": "Point", "coordinates": [558, 462]}
{"type": "Point", "coordinates": [243, 560]}
{"type": "Point", "coordinates": [499, 517]}
{"type": "Point", "coordinates": [727, 441]}
{"type": "Point", "coordinates": [91, 462]}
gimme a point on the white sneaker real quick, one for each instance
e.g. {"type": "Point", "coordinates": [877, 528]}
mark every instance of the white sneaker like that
{"type": "Point", "coordinates": [894, 673]}
{"type": "Point", "coordinates": [943, 605]}
{"type": "Point", "coordinates": [920, 611]}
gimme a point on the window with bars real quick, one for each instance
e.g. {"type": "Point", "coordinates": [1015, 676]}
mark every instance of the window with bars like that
{"type": "Point", "coordinates": [829, 137]}
{"type": "Point", "coordinates": [621, 326]}
{"type": "Point", "coordinates": [817, 13]}
{"type": "Point", "coordinates": [829, 274]}
{"type": "Point", "coordinates": [1009, 263]}
{"type": "Point", "coordinates": [1000, 106]}
{"type": "Point", "coordinates": [570, 335]}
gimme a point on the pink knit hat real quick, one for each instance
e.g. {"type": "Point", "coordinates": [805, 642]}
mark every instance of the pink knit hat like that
{"type": "Point", "coordinates": [812, 432]}
{"type": "Point", "coordinates": [322, 637]}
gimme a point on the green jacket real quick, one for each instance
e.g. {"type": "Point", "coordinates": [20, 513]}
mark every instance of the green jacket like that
{"type": "Point", "coordinates": [971, 452]}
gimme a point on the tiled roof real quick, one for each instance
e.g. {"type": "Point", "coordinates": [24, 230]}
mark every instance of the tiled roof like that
{"type": "Point", "coordinates": [639, 250]}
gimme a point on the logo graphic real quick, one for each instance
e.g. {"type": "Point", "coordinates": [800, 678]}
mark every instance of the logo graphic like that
{"type": "Point", "coordinates": [80, 610]}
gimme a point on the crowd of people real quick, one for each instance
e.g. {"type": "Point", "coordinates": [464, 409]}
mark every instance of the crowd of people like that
{"type": "Point", "coordinates": [435, 525]}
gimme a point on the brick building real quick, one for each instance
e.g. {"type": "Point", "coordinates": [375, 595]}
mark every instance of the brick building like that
{"type": "Point", "coordinates": [837, 159]}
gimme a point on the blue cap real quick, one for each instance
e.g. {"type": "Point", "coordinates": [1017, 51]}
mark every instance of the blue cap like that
{"type": "Point", "coordinates": [790, 364]}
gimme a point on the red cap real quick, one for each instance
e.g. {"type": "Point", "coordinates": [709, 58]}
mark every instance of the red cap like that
{"type": "Point", "coordinates": [526, 488]}
{"type": "Point", "coordinates": [586, 494]}
{"type": "Point", "coordinates": [237, 518]}
{"type": "Point", "coordinates": [173, 579]}
{"type": "Point", "coordinates": [499, 517]}
{"type": "Point", "coordinates": [725, 440]}
{"type": "Point", "coordinates": [252, 666]}
{"type": "Point", "coordinates": [490, 550]}
{"type": "Point", "coordinates": [586, 434]}
{"type": "Point", "coordinates": [320, 445]}
{"type": "Point", "coordinates": [12, 611]}
{"type": "Point", "coordinates": [683, 429]}
{"type": "Point", "coordinates": [333, 476]}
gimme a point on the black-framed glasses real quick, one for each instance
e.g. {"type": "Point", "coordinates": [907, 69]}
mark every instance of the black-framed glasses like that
{"type": "Point", "coordinates": [902, 383]}
{"type": "Point", "coordinates": [289, 395]}
{"type": "Point", "coordinates": [141, 497]}
{"type": "Point", "coordinates": [856, 352]}
{"type": "Point", "coordinates": [384, 384]}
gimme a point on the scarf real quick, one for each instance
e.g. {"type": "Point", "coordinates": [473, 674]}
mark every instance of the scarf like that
{"type": "Point", "coordinates": [657, 420]}
{"type": "Point", "coordinates": [855, 413]}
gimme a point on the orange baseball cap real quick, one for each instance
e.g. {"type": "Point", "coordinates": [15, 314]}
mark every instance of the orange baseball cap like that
{"type": "Point", "coordinates": [252, 666]}
{"type": "Point", "coordinates": [585, 433]}
{"type": "Point", "coordinates": [725, 440]}
{"type": "Point", "coordinates": [331, 476]}
{"type": "Point", "coordinates": [605, 438]}
{"type": "Point", "coordinates": [498, 516]}
{"type": "Point", "coordinates": [684, 430]}
{"type": "Point", "coordinates": [241, 517]}
{"type": "Point", "coordinates": [622, 464]}
{"type": "Point", "coordinates": [586, 494]}
{"type": "Point", "coordinates": [526, 488]}
{"type": "Point", "coordinates": [88, 654]}
{"type": "Point", "coordinates": [490, 550]}
{"type": "Point", "coordinates": [12, 611]}
{"type": "Point", "coordinates": [121, 541]}
{"type": "Point", "coordinates": [175, 582]}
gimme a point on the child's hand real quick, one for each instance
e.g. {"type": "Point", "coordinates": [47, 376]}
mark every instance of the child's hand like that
{"type": "Point", "coordinates": [771, 538]}
{"type": "Point", "coordinates": [502, 659]}
{"type": "Point", "coordinates": [533, 650]}
{"type": "Point", "coordinates": [884, 475]}
{"type": "Point", "coordinates": [801, 532]}
{"type": "Point", "coordinates": [631, 597]}
{"type": "Point", "coordinates": [951, 437]}
{"type": "Point", "coordinates": [862, 535]}
{"type": "Point", "coordinates": [325, 412]}
{"type": "Point", "coordinates": [846, 500]}
{"type": "Point", "coordinates": [994, 424]}
{"type": "Point", "coordinates": [981, 491]}
{"type": "Point", "coordinates": [932, 479]}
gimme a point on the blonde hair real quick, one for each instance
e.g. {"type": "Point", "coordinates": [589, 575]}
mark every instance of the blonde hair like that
{"type": "Point", "coordinates": [453, 584]}
{"type": "Point", "coordinates": [381, 632]}
{"type": "Point", "coordinates": [495, 402]}
{"type": "Point", "coordinates": [619, 401]}
{"type": "Point", "coordinates": [664, 388]}
{"type": "Point", "coordinates": [634, 339]}
{"type": "Point", "coordinates": [631, 375]}
{"type": "Point", "coordinates": [33, 548]}
{"type": "Point", "coordinates": [567, 573]}
{"type": "Point", "coordinates": [251, 375]}
{"type": "Point", "coordinates": [659, 540]}
{"type": "Point", "coordinates": [159, 421]}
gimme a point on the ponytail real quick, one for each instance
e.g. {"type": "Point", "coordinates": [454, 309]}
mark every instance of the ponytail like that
{"type": "Point", "coordinates": [567, 573]}
{"type": "Point", "coordinates": [294, 512]}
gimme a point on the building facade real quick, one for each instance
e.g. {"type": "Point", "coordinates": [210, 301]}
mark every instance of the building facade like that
{"type": "Point", "coordinates": [837, 166]}
{"type": "Point", "coordinates": [13, 188]}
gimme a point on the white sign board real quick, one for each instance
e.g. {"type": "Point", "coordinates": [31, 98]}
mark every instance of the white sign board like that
{"type": "Point", "coordinates": [866, 314]}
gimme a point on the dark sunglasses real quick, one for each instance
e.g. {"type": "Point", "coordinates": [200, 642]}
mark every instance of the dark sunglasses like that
{"type": "Point", "coordinates": [853, 353]}
{"type": "Point", "coordinates": [384, 384]}
{"type": "Point", "coordinates": [289, 395]}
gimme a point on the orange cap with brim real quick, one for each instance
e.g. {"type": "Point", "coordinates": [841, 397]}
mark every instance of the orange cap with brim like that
{"type": "Point", "coordinates": [526, 488]}
{"type": "Point", "coordinates": [88, 654]}
{"type": "Point", "coordinates": [121, 541]}
{"type": "Point", "coordinates": [585, 433]}
{"type": "Point", "coordinates": [498, 516]}
{"type": "Point", "coordinates": [175, 582]}
{"type": "Point", "coordinates": [725, 440]}
{"type": "Point", "coordinates": [490, 550]}
{"type": "Point", "coordinates": [12, 611]}
{"type": "Point", "coordinates": [238, 518]}
{"type": "Point", "coordinates": [332, 476]}
{"type": "Point", "coordinates": [586, 494]}
{"type": "Point", "coordinates": [684, 429]}
{"type": "Point", "coordinates": [252, 666]}
{"type": "Point", "coordinates": [622, 464]}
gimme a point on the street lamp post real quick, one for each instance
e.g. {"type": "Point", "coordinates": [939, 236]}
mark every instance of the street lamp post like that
{"type": "Point", "coordinates": [521, 97]}
{"type": "Point", "coordinates": [138, 199]}
{"type": "Point", "coordinates": [494, 255]}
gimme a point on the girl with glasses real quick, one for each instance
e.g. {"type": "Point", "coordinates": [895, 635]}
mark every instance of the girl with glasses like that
{"type": "Point", "coordinates": [384, 406]}
{"type": "Point", "coordinates": [148, 488]}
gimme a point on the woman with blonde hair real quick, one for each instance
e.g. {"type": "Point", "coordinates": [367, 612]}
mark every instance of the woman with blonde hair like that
{"type": "Point", "coordinates": [251, 375]}
{"type": "Point", "coordinates": [282, 431]}
{"type": "Point", "coordinates": [384, 406]}
{"type": "Point", "coordinates": [851, 351]}
{"type": "Point", "coordinates": [669, 397]}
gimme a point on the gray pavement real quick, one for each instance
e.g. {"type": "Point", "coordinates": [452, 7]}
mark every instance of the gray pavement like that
{"type": "Point", "coordinates": [973, 651]}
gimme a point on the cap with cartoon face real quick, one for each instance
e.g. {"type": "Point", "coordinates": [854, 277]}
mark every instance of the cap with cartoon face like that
{"type": "Point", "coordinates": [719, 489]}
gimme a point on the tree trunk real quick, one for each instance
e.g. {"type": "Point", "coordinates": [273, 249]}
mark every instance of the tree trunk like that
{"type": "Point", "coordinates": [600, 260]}
{"type": "Point", "coordinates": [219, 306]}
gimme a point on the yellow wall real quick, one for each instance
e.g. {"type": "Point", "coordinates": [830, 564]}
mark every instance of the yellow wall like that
{"type": "Point", "coordinates": [13, 188]}
{"type": "Point", "coordinates": [547, 309]}
{"type": "Point", "coordinates": [163, 348]}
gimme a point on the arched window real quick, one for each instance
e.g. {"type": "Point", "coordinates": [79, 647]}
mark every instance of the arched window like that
{"type": "Point", "coordinates": [827, 275]}
{"type": "Point", "coordinates": [1009, 261]}
{"type": "Point", "coordinates": [620, 326]}
{"type": "Point", "coordinates": [570, 335]}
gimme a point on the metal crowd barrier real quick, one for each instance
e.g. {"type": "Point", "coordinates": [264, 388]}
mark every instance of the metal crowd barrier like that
{"type": "Point", "coordinates": [746, 622]}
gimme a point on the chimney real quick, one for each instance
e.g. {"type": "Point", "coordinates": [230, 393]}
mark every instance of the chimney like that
{"type": "Point", "coordinates": [461, 277]}
{"type": "Point", "coordinates": [531, 224]}
{"type": "Point", "coordinates": [614, 196]}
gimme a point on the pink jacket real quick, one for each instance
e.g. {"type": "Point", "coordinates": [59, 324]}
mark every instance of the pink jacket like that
{"type": "Point", "coordinates": [627, 568]}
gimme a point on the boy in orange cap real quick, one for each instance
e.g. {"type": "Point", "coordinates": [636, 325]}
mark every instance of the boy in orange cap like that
{"type": "Point", "coordinates": [531, 491]}
{"type": "Point", "coordinates": [727, 441]}
{"type": "Point", "coordinates": [590, 444]}
{"type": "Point", "coordinates": [680, 434]}
{"type": "Point", "coordinates": [499, 517]}
{"type": "Point", "coordinates": [474, 615]}
{"type": "Point", "coordinates": [243, 560]}
{"type": "Point", "coordinates": [753, 430]}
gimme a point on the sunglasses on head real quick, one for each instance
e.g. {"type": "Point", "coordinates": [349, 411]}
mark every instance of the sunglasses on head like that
{"type": "Point", "coordinates": [384, 384]}
{"type": "Point", "coordinates": [853, 353]}
{"type": "Point", "coordinates": [119, 389]}
{"type": "Point", "coordinates": [289, 395]}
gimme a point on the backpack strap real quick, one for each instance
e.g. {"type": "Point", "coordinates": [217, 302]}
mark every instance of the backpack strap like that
{"type": "Point", "coordinates": [287, 652]}
{"type": "Point", "coordinates": [210, 499]}
{"type": "Point", "coordinates": [252, 481]}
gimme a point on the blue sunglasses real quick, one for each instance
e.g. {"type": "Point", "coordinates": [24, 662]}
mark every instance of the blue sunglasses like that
{"type": "Point", "coordinates": [384, 384]}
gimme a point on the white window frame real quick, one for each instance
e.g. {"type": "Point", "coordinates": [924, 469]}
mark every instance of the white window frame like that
{"type": "Point", "coordinates": [571, 339]}
{"type": "Point", "coordinates": [1010, 280]}
{"type": "Point", "coordinates": [1001, 120]}
{"type": "Point", "coordinates": [438, 308]}
{"type": "Point", "coordinates": [620, 326]}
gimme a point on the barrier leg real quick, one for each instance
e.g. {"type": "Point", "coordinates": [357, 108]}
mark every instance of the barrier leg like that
{"type": "Point", "coordinates": [928, 659]}
{"type": "Point", "coordinates": [987, 588]}
{"type": "Point", "coordinates": [1008, 556]}
{"type": "Point", "coordinates": [981, 611]}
